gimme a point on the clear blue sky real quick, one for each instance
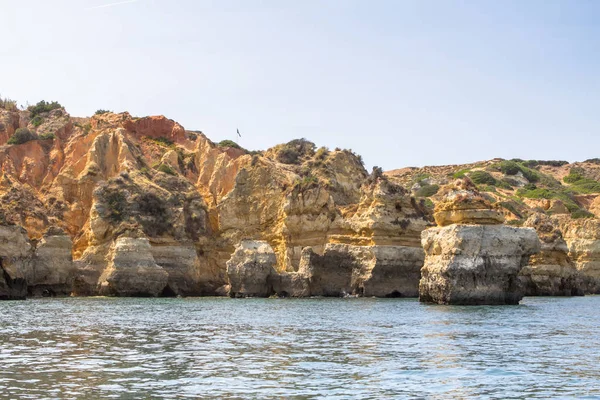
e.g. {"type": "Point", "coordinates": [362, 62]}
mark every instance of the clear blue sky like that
{"type": "Point", "coordinates": [404, 83]}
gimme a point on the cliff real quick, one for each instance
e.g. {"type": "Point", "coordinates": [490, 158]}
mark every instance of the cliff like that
{"type": "Point", "coordinates": [122, 205]}
{"type": "Point", "coordinates": [150, 208]}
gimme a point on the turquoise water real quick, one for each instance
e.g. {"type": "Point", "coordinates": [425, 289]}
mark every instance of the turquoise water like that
{"type": "Point", "coordinates": [298, 348]}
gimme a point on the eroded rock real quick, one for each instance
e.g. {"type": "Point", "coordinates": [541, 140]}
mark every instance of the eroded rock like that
{"type": "Point", "coordinates": [132, 270]}
{"type": "Point", "coordinates": [471, 258]}
{"type": "Point", "coordinates": [551, 272]}
{"type": "Point", "coordinates": [52, 271]}
{"type": "Point", "coordinates": [15, 257]}
{"type": "Point", "coordinates": [249, 268]}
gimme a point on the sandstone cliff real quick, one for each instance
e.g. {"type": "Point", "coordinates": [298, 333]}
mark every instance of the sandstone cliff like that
{"type": "Point", "coordinates": [94, 193]}
{"type": "Point", "coordinates": [471, 257]}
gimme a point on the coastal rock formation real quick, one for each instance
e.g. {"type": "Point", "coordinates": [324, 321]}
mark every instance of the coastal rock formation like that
{"type": "Point", "coordinates": [113, 176]}
{"type": "Point", "coordinates": [132, 270]}
{"type": "Point", "coordinates": [249, 269]}
{"type": "Point", "coordinates": [583, 239]}
{"type": "Point", "coordinates": [476, 263]}
{"type": "Point", "coordinates": [15, 256]}
{"type": "Point", "coordinates": [380, 271]}
{"type": "Point", "coordinates": [51, 271]}
{"type": "Point", "coordinates": [551, 272]}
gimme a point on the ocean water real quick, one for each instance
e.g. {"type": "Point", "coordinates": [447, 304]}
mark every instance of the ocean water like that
{"type": "Point", "coordinates": [298, 349]}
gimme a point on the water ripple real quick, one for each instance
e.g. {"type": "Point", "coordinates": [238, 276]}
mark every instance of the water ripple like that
{"type": "Point", "coordinates": [298, 349]}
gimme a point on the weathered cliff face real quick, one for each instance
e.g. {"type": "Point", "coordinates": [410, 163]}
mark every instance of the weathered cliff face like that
{"type": "Point", "coordinates": [15, 256]}
{"type": "Point", "coordinates": [51, 271]}
{"type": "Point", "coordinates": [476, 263]}
{"type": "Point", "coordinates": [583, 239]}
{"type": "Point", "coordinates": [249, 269]}
{"type": "Point", "coordinates": [550, 272]}
{"type": "Point", "coordinates": [380, 271]}
{"type": "Point", "coordinates": [103, 178]}
{"type": "Point", "coordinates": [132, 270]}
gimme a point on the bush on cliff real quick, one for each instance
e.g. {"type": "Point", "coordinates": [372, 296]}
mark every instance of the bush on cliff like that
{"type": "Point", "coordinates": [37, 121]}
{"type": "Point", "coordinates": [100, 112]}
{"type": "Point", "coordinates": [577, 214]}
{"type": "Point", "coordinates": [294, 151]}
{"type": "Point", "coordinates": [427, 190]}
{"type": "Point", "coordinates": [229, 143]}
{"type": "Point", "coordinates": [8, 104]}
{"type": "Point", "coordinates": [46, 136]}
{"type": "Point", "coordinates": [165, 168]}
{"type": "Point", "coordinates": [43, 107]}
{"type": "Point", "coordinates": [116, 202]}
{"type": "Point", "coordinates": [21, 135]}
{"type": "Point", "coordinates": [482, 178]}
{"type": "Point", "coordinates": [580, 183]}
{"type": "Point", "coordinates": [154, 214]}
{"type": "Point", "coordinates": [513, 168]}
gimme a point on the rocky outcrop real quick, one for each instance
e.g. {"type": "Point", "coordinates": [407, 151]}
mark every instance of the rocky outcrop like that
{"type": "Point", "coordinates": [380, 271]}
{"type": "Point", "coordinates": [342, 270]}
{"type": "Point", "coordinates": [471, 258]}
{"type": "Point", "coordinates": [52, 271]}
{"type": "Point", "coordinates": [132, 270]}
{"type": "Point", "coordinates": [249, 269]}
{"type": "Point", "coordinates": [583, 239]}
{"type": "Point", "coordinates": [550, 272]}
{"type": "Point", "coordinates": [15, 257]}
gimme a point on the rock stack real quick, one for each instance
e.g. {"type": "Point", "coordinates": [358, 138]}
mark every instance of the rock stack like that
{"type": "Point", "coordinates": [471, 257]}
{"type": "Point", "coordinates": [551, 272]}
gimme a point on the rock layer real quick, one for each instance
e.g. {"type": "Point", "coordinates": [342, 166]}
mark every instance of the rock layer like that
{"type": "Point", "coordinates": [15, 256]}
{"type": "Point", "coordinates": [132, 270]}
{"type": "Point", "coordinates": [51, 270]}
{"type": "Point", "coordinates": [583, 239]}
{"type": "Point", "coordinates": [249, 269]}
{"type": "Point", "coordinates": [477, 263]}
{"type": "Point", "coordinates": [551, 272]}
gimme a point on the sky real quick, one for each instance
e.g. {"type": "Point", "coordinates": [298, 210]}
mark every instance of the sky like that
{"type": "Point", "coordinates": [403, 83]}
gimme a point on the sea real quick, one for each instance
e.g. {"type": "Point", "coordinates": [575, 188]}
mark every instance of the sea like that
{"type": "Point", "coordinates": [321, 348]}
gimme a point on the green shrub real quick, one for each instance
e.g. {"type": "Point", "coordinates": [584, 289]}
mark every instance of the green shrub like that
{"type": "Point", "coordinates": [155, 212]}
{"type": "Point", "coordinates": [229, 143]}
{"type": "Point", "coordinates": [575, 174]}
{"type": "Point", "coordinates": [461, 173]}
{"type": "Point", "coordinates": [162, 141]}
{"type": "Point", "coordinates": [427, 190]}
{"type": "Point", "coordinates": [322, 153]}
{"type": "Point", "coordinates": [593, 160]}
{"type": "Point", "coordinates": [510, 206]}
{"type": "Point", "coordinates": [116, 204]}
{"type": "Point", "coordinates": [8, 104]}
{"type": "Point", "coordinates": [581, 213]}
{"type": "Point", "coordinates": [487, 188]}
{"type": "Point", "coordinates": [482, 178]}
{"type": "Point", "coordinates": [21, 135]}
{"type": "Point", "coordinates": [100, 112]}
{"type": "Point", "coordinates": [580, 183]}
{"type": "Point", "coordinates": [513, 168]}
{"type": "Point", "coordinates": [507, 167]}
{"type": "Point", "coordinates": [43, 107]}
{"type": "Point", "coordinates": [45, 136]}
{"type": "Point", "coordinates": [293, 151]}
{"type": "Point", "coordinates": [306, 183]}
{"type": "Point", "coordinates": [167, 169]}
{"type": "Point", "coordinates": [37, 121]}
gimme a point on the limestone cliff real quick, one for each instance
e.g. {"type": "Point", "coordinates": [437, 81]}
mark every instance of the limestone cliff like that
{"type": "Point", "coordinates": [471, 257]}
{"type": "Point", "coordinates": [115, 182]}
